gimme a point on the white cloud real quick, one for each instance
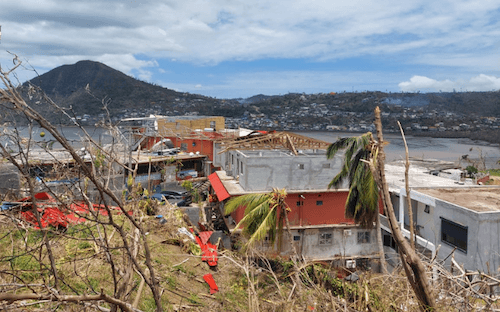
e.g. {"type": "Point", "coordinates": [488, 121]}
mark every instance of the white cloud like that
{"type": "Point", "coordinates": [478, 83]}
{"type": "Point", "coordinates": [131, 35]}
{"type": "Point", "coordinates": [200, 31]}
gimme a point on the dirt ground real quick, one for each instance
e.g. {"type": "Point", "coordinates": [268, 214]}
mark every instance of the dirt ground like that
{"type": "Point", "coordinates": [494, 180]}
{"type": "Point", "coordinates": [480, 199]}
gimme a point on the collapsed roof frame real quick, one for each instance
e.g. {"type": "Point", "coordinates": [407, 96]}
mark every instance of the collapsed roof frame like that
{"type": "Point", "coordinates": [273, 140]}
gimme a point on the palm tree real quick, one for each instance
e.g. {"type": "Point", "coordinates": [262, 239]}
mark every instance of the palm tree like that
{"type": "Point", "coordinates": [265, 215]}
{"type": "Point", "coordinates": [363, 199]}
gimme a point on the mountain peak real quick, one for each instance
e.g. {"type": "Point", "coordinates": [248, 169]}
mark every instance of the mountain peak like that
{"type": "Point", "coordinates": [67, 85]}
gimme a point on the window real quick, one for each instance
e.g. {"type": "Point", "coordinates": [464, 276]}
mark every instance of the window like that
{"type": "Point", "coordinates": [212, 124]}
{"type": "Point", "coordinates": [427, 209]}
{"type": "Point", "coordinates": [364, 237]}
{"type": "Point", "coordinates": [326, 166]}
{"type": "Point", "coordinates": [301, 166]}
{"type": "Point", "coordinates": [319, 203]}
{"type": "Point", "coordinates": [454, 234]}
{"type": "Point", "coordinates": [241, 165]}
{"type": "Point", "coordinates": [267, 242]}
{"type": "Point", "coordinates": [296, 238]}
{"type": "Point", "coordinates": [184, 146]}
{"type": "Point", "coordinates": [325, 238]}
{"type": "Point", "coordinates": [300, 203]}
{"type": "Point", "coordinates": [363, 263]}
{"type": "Point", "coordinates": [390, 242]}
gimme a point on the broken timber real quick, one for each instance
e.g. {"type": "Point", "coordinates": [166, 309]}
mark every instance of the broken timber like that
{"type": "Point", "coordinates": [273, 140]}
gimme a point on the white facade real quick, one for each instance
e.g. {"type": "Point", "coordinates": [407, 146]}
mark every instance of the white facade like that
{"type": "Point", "coordinates": [460, 218]}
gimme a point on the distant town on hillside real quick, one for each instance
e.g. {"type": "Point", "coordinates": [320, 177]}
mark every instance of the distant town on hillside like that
{"type": "Point", "coordinates": [87, 86]}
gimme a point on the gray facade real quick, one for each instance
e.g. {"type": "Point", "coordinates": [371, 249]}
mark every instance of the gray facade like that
{"type": "Point", "coordinates": [332, 242]}
{"type": "Point", "coordinates": [267, 169]}
{"type": "Point", "coordinates": [472, 229]}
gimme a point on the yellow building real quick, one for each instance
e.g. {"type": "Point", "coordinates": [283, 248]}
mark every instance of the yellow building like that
{"type": "Point", "coordinates": [181, 124]}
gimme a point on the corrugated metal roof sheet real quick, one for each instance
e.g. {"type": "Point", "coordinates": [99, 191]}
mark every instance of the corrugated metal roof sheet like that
{"type": "Point", "coordinates": [219, 188]}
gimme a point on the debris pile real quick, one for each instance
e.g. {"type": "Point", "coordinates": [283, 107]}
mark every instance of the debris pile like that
{"type": "Point", "coordinates": [52, 213]}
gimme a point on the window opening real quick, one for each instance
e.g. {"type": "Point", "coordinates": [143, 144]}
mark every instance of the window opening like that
{"type": "Point", "coordinates": [325, 238]}
{"type": "Point", "coordinates": [454, 234]}
{"type": "Point", "coordinates": [364, 237]}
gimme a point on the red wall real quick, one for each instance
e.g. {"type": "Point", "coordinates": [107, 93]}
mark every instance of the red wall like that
{"type": "Point", "coordinates": [205, 147]}
{"type": "Point", "coordinates": [308, 213]}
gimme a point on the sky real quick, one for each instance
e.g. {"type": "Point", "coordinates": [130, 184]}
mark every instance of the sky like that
{"type": "Point", "coordinates": [233, 48]}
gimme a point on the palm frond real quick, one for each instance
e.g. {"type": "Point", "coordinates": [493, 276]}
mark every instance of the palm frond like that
{"type": "Point", "coordinates": [358, 143]}
{"type": "Point", "coordinates": [266, 226]}
{"type": "Point", "coordinates": [336, 146]}
{"type": "Point", "coordinates": [247, 200]}
{"type": "Point", "coordinates": [370, 191]}
{"type": "Point", "coordinates": [362, 200]}
{"type": "Point", "coordinates": [356, 163]}
{"type": "Point", "coordinates": [253, 214]}
{"type": "Point", "coordinates": [261, 215]}
{"type": "Point", "coordinates": [339, 178]}
{"type": "Point", "coordinates": [351, 202]}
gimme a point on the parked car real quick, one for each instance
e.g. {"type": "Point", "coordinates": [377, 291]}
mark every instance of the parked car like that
{"type": "Point", "coordinates": [187, 174]}
{"type": "Point", "coordinates": [181, 198]}
{"type": "Point", "coordinates": [184, 197]}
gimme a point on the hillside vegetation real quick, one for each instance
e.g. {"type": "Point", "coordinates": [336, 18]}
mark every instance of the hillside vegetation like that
{"type": "Point", "coordinates": [85, 85]}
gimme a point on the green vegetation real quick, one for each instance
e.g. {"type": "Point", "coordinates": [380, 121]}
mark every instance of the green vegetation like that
{"type": "Point", "coordinates": [494, 172]}
{"type": "Point", "coordinates": [362, 200]}
{"type": "Point", "coordinates": [471, 170]}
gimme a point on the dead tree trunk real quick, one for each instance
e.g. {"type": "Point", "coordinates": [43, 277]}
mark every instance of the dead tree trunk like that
{"type": "Point", "coordinates": [407, 187]}
{"type": "Point", "coordinates": [380, 244]}
{"type": "Point", "coordinates": [413, 265]}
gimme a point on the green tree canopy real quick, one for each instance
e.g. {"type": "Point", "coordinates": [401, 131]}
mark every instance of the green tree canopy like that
{"type": "Point", "coordinates": [362, 200]}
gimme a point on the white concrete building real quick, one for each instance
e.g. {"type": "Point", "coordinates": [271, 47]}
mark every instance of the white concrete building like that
{"type": "Point", "coordinates": [461, 218]}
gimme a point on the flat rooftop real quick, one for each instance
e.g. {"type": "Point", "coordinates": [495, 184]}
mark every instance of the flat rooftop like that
{"type": "Point", "coordinates": [480, 199]}
{"type": "Point", "coordinates": [234, 188]}
{"type": "Point", "coordinates": [40, 156]}
{"type": "Point", "coordinates": [418, 177]}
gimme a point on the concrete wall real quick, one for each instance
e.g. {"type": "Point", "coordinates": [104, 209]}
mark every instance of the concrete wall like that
{"type": "Point", "coordinates": [263, 170]}
{"type": "Point", "coordinates": [483, 231]}
{"type": "Point", "coordinates": [10, 179]}
{"type": "Point", "coordinates": [343, 244]}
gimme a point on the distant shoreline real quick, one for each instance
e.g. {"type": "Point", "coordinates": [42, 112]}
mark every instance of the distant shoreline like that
{"type": "Point", "coordinates": [492, 137]}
